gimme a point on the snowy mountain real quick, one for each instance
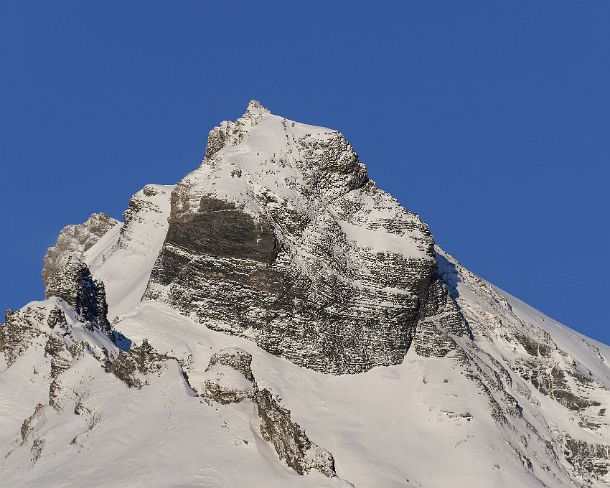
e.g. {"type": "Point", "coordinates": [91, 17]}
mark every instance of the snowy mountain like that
{"type": "Point", "coordinates": [275, 319]}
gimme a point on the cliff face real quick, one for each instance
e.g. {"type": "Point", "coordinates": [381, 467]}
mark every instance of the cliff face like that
{"type": "Point", "coordinates": [73, 240]}
{"type": "Point", "coordinates": [66, 275]}
{"type": "Point", "coordinates": [81, 291]}
{"type": "Point", "coordinates": [280, 236]}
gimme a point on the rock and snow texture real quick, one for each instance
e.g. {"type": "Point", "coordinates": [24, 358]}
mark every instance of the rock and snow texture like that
{"type": "Point", "coordinates": [74, 240]}
{"type": "Point", "coordinates": [75, 416]}
{"type": "Point", "coordinates": [66, 275]}
{"type": "Point", "coordinates": [245, 292]}
{"type": "Point", "coordinates": [229, 379]}
{"type": "Point", "coordinates": [281, 237]}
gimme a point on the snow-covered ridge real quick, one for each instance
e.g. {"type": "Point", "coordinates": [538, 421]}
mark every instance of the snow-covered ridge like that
{"type": "Point", "coordinates": [126, 255]}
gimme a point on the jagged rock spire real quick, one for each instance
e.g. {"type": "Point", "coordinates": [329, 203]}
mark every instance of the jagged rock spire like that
{"type": "Point", "coordinates": [87, 296]}
{"type": "Point", "coordinates": [256, 107]}
{"type": "Point", "coordinates": [74, 239]}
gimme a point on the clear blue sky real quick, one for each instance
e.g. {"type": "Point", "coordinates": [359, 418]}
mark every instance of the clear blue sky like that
{"type": "Point", "coordinates": [490, 119]}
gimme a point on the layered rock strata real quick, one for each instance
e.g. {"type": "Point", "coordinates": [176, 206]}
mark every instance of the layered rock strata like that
{"type": "Point", "coordinates": [281, 237]}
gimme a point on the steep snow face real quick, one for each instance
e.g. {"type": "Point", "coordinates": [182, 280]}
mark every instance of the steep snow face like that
{"type": "Point", "coordinates": [279, 236]}
{"type": "Point", "coordinates": [125, 256]}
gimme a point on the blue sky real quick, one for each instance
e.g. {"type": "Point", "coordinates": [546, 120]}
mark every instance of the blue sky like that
{"type": "Point", "coordinates": [490, 119]}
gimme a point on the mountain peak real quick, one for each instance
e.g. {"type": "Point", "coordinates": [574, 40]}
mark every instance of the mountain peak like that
{"type": "Point", "coordinates": [273, 304]}
{"type": "Point", "coordinates": [298, 225]}
{"type": "Point", "coordinates": [256, 107]}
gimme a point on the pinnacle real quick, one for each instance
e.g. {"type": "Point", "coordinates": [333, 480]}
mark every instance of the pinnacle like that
{"type": "Point", "coordinates": [255, 107]}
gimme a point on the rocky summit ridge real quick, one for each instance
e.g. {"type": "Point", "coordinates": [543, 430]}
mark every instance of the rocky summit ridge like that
{"type": "Point", "coordinates": [308, 257]}
{"type": "Point", "coordinates": [276, 319]}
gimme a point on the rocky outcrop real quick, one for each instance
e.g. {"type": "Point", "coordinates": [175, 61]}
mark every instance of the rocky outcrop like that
{"type": "Point", "coordinates": [61, 359]}
{"type": "Point", "coordinates": [61, 340]}
{"type": "Point", "coordinates": [73, 240]}
{"type": "Point", "coordinates": [591, 461]}
{"type": "Point", "coordinates": [551, 380]}
{"type": "Point", "coordinates": [229, 379]}
{"type": "Point", "coordinates": [29, 424]}
{"type": "Point", "coordinates": [66, 274]}
{"type": "Point", "coordinates": [440, 320]}
{"type": "Point", "coordinates": [290, 441]}
{"type": "Point", "coordinates": [87, 296]}
{"type": "Point", "coordinates": [280, 237]}
{"type": "Point", "coordinates": [57, 318]}
{"type": "Point", "coordinates": [19, 330]}
{"type": "Point", "coordinates": [131, 366]}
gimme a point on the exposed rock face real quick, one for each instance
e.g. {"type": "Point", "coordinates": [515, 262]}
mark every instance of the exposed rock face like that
{"type": "Point", "coordinates": [74, 240]}
{"type": "Point", "coordinates": [441, 318]}
{"type": "Point", "coordinates": [229, 379]}
{"type": "Point", "coordinates": [77, 287]}
{"type": "Point", "coordinates": [281, 237]}
{"type": "Point", "coordinates": [61, 359]}
{"type": "Point", "coordinates": [29, 424]}
{"type": "Point", "coordinates": [19, 330]}
{"type": "Point", "coordinates": [290, 441]}
{"type": "Point", "coordinates": [131, 366]}
{"type": "Point", "coordinates": [67, 276]}
{"type": "Point", "coordinates": [57, 317]}
{"type": "Point", "coordinates": [591, 461]}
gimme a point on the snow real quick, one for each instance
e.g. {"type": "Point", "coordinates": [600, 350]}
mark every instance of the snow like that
{"type": "Point", "coordinates": [125, 256]}
{"type": "Point", "coordinates": [379, 241]}
{"type": "Point", "coordinates": [384, 427]}
{"type": "Point", "coordinates": [272, 138]}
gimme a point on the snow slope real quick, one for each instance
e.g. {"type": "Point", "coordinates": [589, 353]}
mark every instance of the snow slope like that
{"type": "Point", "coordinates": [126, 254]}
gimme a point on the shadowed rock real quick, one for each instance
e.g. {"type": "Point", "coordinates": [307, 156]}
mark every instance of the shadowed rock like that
{"type": "Point", "coordinates": [87, 296]}
{"type": "Point", "coordinates": [74, 240]}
